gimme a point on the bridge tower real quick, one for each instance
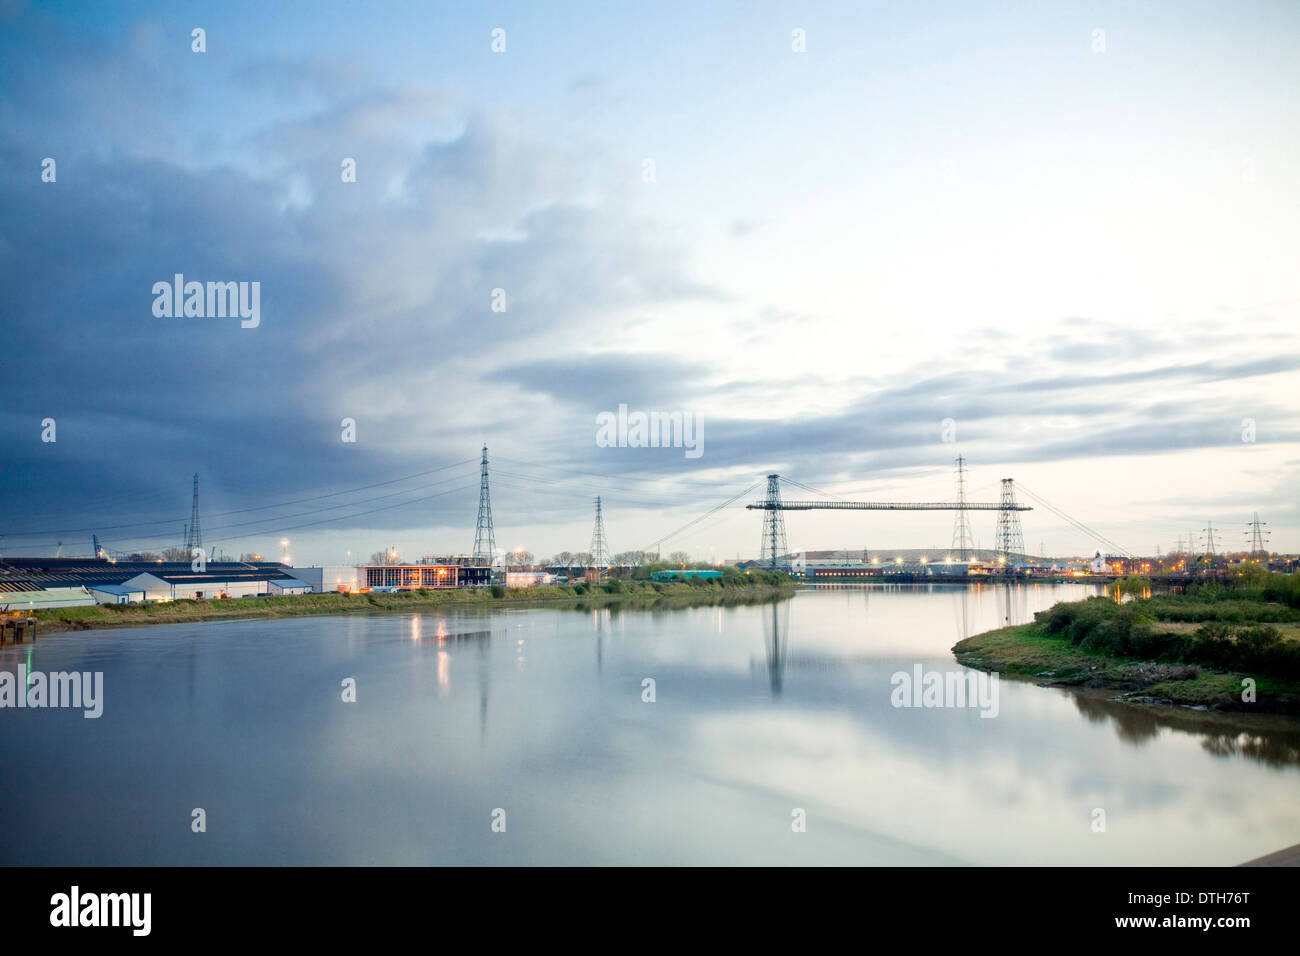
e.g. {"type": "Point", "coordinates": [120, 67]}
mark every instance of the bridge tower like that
{"type": "Point", "coordinates": [961, 533]}
{"type": "Point", "coordinates": [485, 542]}
{"type": "Point", "coordinates": [1010, 540]}
{"type": "Point", "coordinates": [773, 547]}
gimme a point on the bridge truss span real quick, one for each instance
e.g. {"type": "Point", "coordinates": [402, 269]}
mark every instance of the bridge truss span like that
{"type": "Point", "coordinates": [772, 551]}
{"type": "Point", "coordinates": [884, 506]}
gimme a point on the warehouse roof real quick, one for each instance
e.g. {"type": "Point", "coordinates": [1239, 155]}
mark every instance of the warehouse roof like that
{"type": "Point", "coordinates": [34, 573]}
{"type": "Point", "coordinates": [115, 589]}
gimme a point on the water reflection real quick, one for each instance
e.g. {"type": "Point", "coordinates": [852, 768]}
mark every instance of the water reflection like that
{"type": "Point", "coordinates": [776, 639]}
{"type": "Point", "coordinates": [593, 774]}
{"type": "Point", "coordinates": [1267, 739]}
{"type": "Point", "coordinates": [961, 608]}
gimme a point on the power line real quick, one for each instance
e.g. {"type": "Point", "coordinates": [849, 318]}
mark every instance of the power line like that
{"type": "Point", "coordinates": [222, 514]}
{"type": "Point", "coordinates": [1097, 536]}
{"type": "Point", "coordinates": [592, 474]}
{"type": "Point", "coordinates": [816, 491]}
{"type": "Point", "coordinates": [358, 514]}
{"type": "Point", "coordinates": [655, 545]}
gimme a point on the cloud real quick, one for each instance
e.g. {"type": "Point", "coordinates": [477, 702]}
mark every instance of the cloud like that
{"type": "Point", "coordinates": [603, 381]}
{"type": "Point", "coordinates": [375, 295]}
{"type": "Point", "coordinates": [376, 305]}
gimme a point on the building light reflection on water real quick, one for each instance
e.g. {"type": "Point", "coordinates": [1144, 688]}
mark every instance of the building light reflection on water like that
{"type": "Point", "coordinates": [444, 671]}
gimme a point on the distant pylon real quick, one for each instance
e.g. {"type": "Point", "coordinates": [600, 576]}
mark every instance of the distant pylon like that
{"type": "Point", "coordinates": [1258, 538]}
{"type": "Point", "coordinates": [485, 541]}
{"type": "Point", "coordinates": [961, 533]}
{"type": "Point", "coordinates": [599, 548]}
{"type": "Point", "coordinates": [1209, 539]}
{"type": "Point", "coordinates": [1010, 540]}
{"type": "Point", "coordinates": [193, 536]}
{"type": "Point", "coordinates": [773, 547]}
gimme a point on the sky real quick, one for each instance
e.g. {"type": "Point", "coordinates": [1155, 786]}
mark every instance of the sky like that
{"type": "Point", "coordinates": [1057, 240]}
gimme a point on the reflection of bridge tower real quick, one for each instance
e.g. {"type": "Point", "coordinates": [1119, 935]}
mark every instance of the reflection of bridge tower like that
{"type": "Point", "coordinates": [776, 644]}
{"type": "Point", "coordinates": [773, 546]}
{"type": "Point", "coordinates": [961, 533]}
{"type": "Point", "coordinates": [1010, 541]}
{"type": "Point", "coordinates": [962, 611]}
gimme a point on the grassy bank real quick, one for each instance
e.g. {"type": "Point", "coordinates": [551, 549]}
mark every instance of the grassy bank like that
{"type": "Point", "coordinates": [608, 594]}
{"type": "Point", "coordinates": [1194, 649]}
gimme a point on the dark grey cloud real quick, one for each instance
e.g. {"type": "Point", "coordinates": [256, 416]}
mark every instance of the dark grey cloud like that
{"type": "Point", "coordinates": [375, 296]}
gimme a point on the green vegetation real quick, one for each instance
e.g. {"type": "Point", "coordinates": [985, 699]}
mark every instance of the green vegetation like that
{"type": "Point", "coordinates": [1192, 648]}
{"type": "Point", "coordinates": [759, 586]}
{"type": "Point", "coordinates": [1134, 584]}
{"type": "Point", "coordinates": [1241, 642]}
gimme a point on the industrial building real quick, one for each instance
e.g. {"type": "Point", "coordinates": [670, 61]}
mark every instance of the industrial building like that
{"type": "Point", "coordinates": [41, 598]}
{"type": "Point", "coordinates": [841, 571]}
{"type": "Point", "coordinates": [32, 583]}
{"type": "Point", "coordinates": [528, 579]}
{"type": "Point", "coordinates": [115, 594]}
{"type": "Point", "coordinates": [409, 577]}
{"type": "Point", "coordinates": [35, 583]}
{"type": "Point", "coordinates": [340, 577]}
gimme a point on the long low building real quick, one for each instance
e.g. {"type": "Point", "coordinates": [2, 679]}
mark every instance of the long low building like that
{"type": "Point", "coordinates": [70, 582]}
{"type": "Point", "coordinates": [30, 583]}
{"type": "Point", "coordinates": [45, 598]}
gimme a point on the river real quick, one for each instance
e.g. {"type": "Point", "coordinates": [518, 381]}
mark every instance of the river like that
{"type": "Point", "coordinates": [524, 735]}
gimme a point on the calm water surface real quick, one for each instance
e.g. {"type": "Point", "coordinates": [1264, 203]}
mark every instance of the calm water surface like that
{"type": "Point", "coordinates": [759, 710]}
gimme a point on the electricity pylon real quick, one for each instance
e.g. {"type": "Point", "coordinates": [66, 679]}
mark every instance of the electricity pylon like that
{"type": "Point", "coordinates": [485, 542]}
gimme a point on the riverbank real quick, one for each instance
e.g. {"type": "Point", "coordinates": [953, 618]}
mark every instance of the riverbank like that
{"type": "Point", "coordinates": [609, 594]}
{"type": "Point", "coordinates": [1222, 651]}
